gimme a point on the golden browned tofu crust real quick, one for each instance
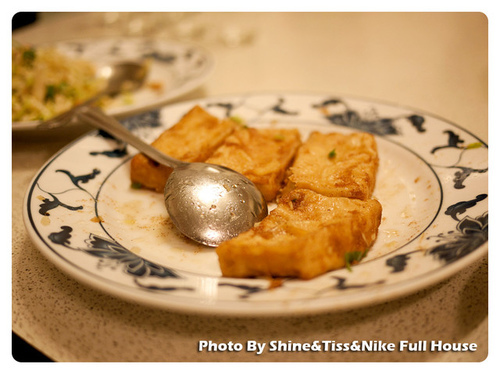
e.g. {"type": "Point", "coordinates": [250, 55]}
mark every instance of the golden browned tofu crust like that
{"type": "Point", "coordinates": [194, 138]}
{"type": "Point", "coordinates": [262, 155]}
{"type": "Point", "coordinates": [307, 235]}
{"type": "Point", "coordinates": [336, 165]}
{"type": "Point", "coordinates": [324, 209]}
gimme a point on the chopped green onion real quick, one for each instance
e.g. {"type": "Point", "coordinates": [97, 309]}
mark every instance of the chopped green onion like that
{"type": "Point", "coordinates": [50, 93]}
{"type": "Point", "coordinates": [127, 98]}
{"type": "Point", "coordinates": [353, 257]}
{"type": "Point", "coordinates": [60, 89]}
{"type": "Point", "coordinates": [237, 119]}
{"type": "Point", "coordinates": [135, 185]}
{"type": "Point", "coordinates": [474, 145]}
{"type": "Point", "coordinates": [29, 56]}
{"type": "Point", "coordinates": [332, 154]}
{"type": "Point", "coordinates": [279, 137]}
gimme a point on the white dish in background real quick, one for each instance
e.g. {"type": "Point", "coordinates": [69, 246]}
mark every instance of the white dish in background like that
{"type": "Point", "coordinates": [432, 184]}
{"type": "Point", "coordinates": [177, 68]}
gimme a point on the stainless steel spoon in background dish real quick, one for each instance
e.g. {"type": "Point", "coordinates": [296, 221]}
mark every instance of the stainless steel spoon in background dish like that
{"type": "Point", "coordinates": [121, 76]}
{"type": "Point", "coordinates": [207, 203]}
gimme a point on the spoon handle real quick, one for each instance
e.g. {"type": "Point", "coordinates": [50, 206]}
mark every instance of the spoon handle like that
{"type": "Point", "coordinates": [66, 117]}
{"type": "Point", "coordinates": [97, 118]}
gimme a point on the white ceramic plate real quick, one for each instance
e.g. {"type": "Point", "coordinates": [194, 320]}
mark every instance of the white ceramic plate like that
{"type": "Point", "coordinates": [432, 184]}
{"type": "Point", "coordinates": [176, 68]}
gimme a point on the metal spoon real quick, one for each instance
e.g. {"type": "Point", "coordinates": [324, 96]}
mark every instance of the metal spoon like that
{"type": "Point", "coordinates": [121, 76]}
{"type": "Point", "coordinates": [207, 203]}
{"type": "Point", "coordinates": [125, 75]}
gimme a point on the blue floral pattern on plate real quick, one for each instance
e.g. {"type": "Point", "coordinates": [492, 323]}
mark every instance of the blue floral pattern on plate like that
{"type": "Point", "coordinates": [86, 218]}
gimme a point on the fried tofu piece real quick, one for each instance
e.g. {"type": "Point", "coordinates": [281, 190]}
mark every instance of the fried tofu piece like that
{"type": "Point", "coordinates": [262, 155]}
{"type": "Point", "coordinates": [307, 235]}
{"type": "Point", "coordinates": [193, 139]}
{"type": "Point", "coordinates": [336, 165]}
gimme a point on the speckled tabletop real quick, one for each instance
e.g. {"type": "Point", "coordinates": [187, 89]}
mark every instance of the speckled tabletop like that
{"type": "Point", "coordinates": [435, 62]}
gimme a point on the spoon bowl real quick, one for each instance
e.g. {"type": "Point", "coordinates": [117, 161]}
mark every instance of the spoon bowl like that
{"type": "Point", "coordinates": [211, 204]}
{"type": "Point", "coordinates": [207, 203]}
{"type": "Point", "coordinates": [122, 76]}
